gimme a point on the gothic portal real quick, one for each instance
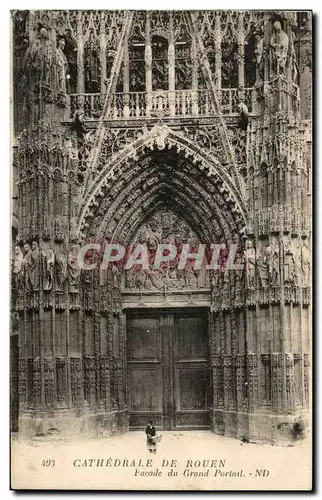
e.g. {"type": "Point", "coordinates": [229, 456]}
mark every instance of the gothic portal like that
{"type": "Point", "coordinates": [161, 127]}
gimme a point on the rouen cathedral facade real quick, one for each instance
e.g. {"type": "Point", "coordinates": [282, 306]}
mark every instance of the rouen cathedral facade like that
{"type": "Point", "coordinates": [156, 127]}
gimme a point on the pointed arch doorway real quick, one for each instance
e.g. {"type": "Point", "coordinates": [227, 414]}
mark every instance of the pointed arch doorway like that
{"type": "Point", "coordinates": [164, 196]}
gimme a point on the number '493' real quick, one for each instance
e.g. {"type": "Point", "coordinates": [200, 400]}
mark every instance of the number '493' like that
{"type": "Point", "coordinates": [48, 462]}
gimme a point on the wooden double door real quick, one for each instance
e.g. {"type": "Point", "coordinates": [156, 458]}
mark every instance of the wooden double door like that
{"type": "Point", "coordinates": [168, 370]}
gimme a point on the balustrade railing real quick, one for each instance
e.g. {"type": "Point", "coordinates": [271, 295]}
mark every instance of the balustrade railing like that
{"type": "Point", "coordinates": [161, 104]}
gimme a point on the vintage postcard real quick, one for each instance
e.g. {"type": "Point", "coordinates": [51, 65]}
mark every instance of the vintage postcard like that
{"type": "Point", "coordinates": [161, 250]}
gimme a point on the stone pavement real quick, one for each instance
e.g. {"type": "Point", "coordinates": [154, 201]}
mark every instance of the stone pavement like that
{"type": "Point", "coordinates": [198, 460]}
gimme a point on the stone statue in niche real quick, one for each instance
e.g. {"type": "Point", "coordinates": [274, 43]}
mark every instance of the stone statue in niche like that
{"type": "Point", "coordinates": [141, 279]}
{"type": "Point", "coordinates": [243, 116]}
{"type": "Point", "coordinates": [18, 269]}
{"type": "Point", "coordinates": [305, 263]}
{"type": "Point", "coordinates": [250, 260]}
{"type": "Point", "coordinates": [73, 229]}
{"type": "Point", "coordinates": [258, 53]}
{"type": "Point", "coordinates": [297, 264]}
{"type": "Point", "coordinates": [272, 256]}
{"type": "Point", "coordinates": [190, 278]}
{"type": "Point", "coordinates": [116, 277]}
{"type": "Point", "coordinates": [60, 271]}
{"type": "Point", "coordinates": [30, 265]}
{"type": "Point", "coordinates": [262, 267]}
{"type": "Point", "coordinates": [34, 270]}
{"type": "Point", "coordinates": [239, 273]}
{"type": "Point", "coordinates": [202, 279]}
{"type": "Point", "coordinates": [289, 265]}
{"type": "Point", "coordinates": [73, 269]}
{"type": "Point", "coordinates": [37, 62]}
{"type": "Point", "coordinates": [48, 262]}
{"type": "Point", "coordinates": [79, 124]}
{"type": "Point", "coordinates": [129, 279]}
{"type": "Point", "coordinates": [26, 263]}
{"type": "Point", "coordinates": [154, 231]}
{"type": "Point", "coordinates": [171, 276]}
{"type": "Point", "coordinates": [279, 44]}
{"type": "Point", "coordinates": [61, 67]}
{"type": "Point", "coordinates": [15, 322]}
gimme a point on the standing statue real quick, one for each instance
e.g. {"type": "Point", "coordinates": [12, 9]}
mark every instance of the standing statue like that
{"type": "Point", "coordinates": [73, 269]}
{"type": "Point", "coordinates": [129, 279]}
{"type": "Point", "coordinates": [279, 44]}
{"type": "Point", "coordinates": [141, 279]}
{"type": "Point", "coordinates": [250, 260]}
{"type": "Point", "coordinates": [243, 116]}
{"type": "Point", "coordinates": [190, 276]}
{"type": "Point", "coordinates": [26, 264]}
{"type": "Point", "coordinates": [306, 263]}
{"type": "Point", "coordinates": [61, 67]}
{"type": "Point", "coordinates": [61, 271]}
{"type": "Point", "coordinates": [48, 261]}
{"type": "Point", "coordinates": [34, 270]}
{"type": "Point", "coordinates": [297, 264]}
{"type": "Point", "coordinates": [289, 265]}
{"type": "Point", "coordinates": [258, 52]}
{"type": "Point", "coordinates": [272, 256]}
{"type": "Point", "coordinates": [215, 279]}
{"type": "Point", "coordinates": [38, 61]}
{"type": "Point", "coordinates": [18, 269]}
{"type": "Point", "coordinates": [116, 277]}
{"type": "Point", "coordinates": [239, 273]}
{"type": "Point", "coordinates": [262, 266]}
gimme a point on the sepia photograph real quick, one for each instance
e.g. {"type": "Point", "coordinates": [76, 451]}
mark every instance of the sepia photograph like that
{"type": "Point", "coordinates": [161, 234]}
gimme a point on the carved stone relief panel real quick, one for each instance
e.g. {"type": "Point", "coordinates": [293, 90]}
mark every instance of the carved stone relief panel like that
{"type": "Point", "coordinates": [165, 227]}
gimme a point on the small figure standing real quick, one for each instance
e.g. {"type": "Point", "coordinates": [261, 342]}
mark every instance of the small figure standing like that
{"type": "Point", "coordinates": [243, 116]}
{"type": "Point", "coordinates": [279, 45]}
{"type": "Point", "coordinates": [259, 51]}
{"type": "Point", "coordinates": [151, 438]}
{"type": "Point", "coordinates": [62, 66]}
{"type": "Point", "coordinates": [250, 261]}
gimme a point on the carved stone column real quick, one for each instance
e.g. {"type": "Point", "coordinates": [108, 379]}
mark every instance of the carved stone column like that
{"type": "Point", "coordinates": [217, 78]}
{"type": "Point", "coordinates": [148, 65]}
{"type": "Point", "coordinates": [103, 54]}
{"type": "Point", "coordinates": [80, 55]}
{"type": "Point", "coordinates": [241, 51]}
{"type": "Point", "coordinates": [126, 79]}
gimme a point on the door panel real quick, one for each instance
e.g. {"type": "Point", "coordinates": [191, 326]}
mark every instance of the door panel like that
{"type": "Point", "coordinates": [192, 389]}
{"type": "Point", "coordinates": [168, 369]}
{"type": "Point", "coordinates": [144, 366]}
{"type": "Point", "coordinates": [191, 371]}
{"type": "Point", "coordinates": [191, 337]}
{"type": "Point", "coordinates": [143, 339]}
{"type": "Point", "coordinates": [145, 394]}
